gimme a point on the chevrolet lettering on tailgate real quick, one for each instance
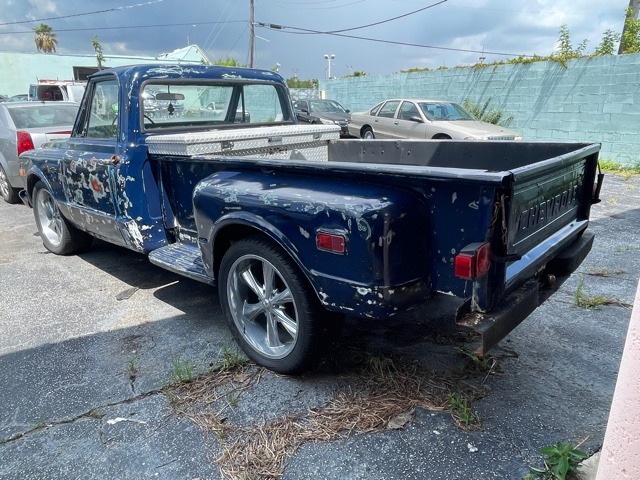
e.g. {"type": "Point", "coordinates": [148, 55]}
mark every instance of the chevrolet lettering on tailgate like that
{"type": "Point", "coordinates": [546, 209]}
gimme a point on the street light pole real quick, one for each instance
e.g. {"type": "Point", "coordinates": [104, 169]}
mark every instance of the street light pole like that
{"type": "Point", "coordinates": [329, 57]}
{"type": "Point", "coordinates": [189, 35]}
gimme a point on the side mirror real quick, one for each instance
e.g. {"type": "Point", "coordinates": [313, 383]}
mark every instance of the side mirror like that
{"type": "Point", "coordinates": [416, 119]}
{"type": "Point", "coordinates": [347, 110]}
{"type": "Point", "coordinates": [304, 110]}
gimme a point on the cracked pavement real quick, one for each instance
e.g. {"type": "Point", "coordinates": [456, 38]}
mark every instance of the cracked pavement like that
{"type": "Point", "coordinates": [89, 343]}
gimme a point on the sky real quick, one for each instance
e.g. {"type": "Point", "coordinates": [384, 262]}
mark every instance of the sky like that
{"type": "Point", "coordinates": [449, 32]}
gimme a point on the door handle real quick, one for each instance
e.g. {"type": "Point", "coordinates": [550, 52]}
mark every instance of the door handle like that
{"type": "Point", "coordinates": [114, 160]}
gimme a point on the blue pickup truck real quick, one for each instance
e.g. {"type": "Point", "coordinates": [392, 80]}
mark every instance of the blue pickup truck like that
{"type": "Point", "coordinates": [205, 170]}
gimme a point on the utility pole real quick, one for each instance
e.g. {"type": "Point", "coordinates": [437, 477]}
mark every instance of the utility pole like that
{"type": "Point", "coordinates": [252, 34]}
{"type": "Point", "coordinates": [632, 13]}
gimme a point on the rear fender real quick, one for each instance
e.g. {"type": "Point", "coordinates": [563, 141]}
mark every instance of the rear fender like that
{"type": "Point", "coordinates": [382, 228]}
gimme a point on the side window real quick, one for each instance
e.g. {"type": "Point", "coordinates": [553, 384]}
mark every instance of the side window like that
{"type": "Point", "coordinates": [300, 105]}
{"type": "Point", "coordinates": [389, 109]}
{"type": "Point", "coordinates": [259, 104]}
{"type": "Point", "coordinates": [408, 110]}
{"type": "Point", "coordinates": [374, 110]}
{"type": "Point", "coordinates": [102, 121]}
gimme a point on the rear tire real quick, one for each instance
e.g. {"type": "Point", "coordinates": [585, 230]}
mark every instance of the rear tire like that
{"type": "Point", "coordinates": [270, 307]}
{"type": "Point", "coordinates": [9, 193]}
{"type": "Point", "coordinates": [58, 235]}
{"type": "Point", "coordinates": [367, 133]}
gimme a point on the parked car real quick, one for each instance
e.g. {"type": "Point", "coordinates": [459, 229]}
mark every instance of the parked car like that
{"type": "Point", "coordinates": [22, 97]}
{"type": "Point", "coordinates": [3, 98]}
{"type": "Point", "coordinates": [424, 119]}
{"type": "Point", "coordinates": [25, 126]}
{"type": "Point", "coordinates": [328, 112]}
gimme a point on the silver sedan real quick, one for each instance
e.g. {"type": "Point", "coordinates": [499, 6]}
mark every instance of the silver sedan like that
{"type": "Point", "coordinates": [424, 119]}
{"type": "Point", "coordinates": [25, 126]}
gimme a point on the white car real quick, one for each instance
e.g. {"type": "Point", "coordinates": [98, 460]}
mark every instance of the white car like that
{"type": "Point", "coordinates": [25, 126]}
{"type": "Point", "coordinates": [424, 119]}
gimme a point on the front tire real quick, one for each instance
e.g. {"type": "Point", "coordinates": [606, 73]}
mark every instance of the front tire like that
{"type": "Point", "coordinates": [367, 133]}
{"type": "Point", "coordinates": [58, 235]}
{"type": "Point", "coordinates": [9, 193]}
{"type": "Point", "coordinates": [270, 307]}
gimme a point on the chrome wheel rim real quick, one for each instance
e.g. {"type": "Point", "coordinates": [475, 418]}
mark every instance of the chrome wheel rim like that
{"type": "Point", "coordinates": [262, 306]}
{"type": "Point", "coordinates": [4, 183]}
{"type": "Point", "coordinates": [49, 217]}
{"type": "Point", "coordinates": [368, 135]}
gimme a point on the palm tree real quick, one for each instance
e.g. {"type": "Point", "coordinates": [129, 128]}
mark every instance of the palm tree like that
{"type": "Point", "coordinates": [46, 40]}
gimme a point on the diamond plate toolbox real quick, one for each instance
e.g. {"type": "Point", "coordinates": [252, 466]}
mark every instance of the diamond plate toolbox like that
{"type": "Point", "coordinates": [299, 142]}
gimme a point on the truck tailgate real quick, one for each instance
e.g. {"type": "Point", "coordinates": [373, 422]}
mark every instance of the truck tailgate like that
{"type": "Point", "coordinates": [548, 209]}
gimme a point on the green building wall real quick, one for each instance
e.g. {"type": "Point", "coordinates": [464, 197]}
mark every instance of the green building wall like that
{"type": "Point", "coordinates": [587, 99]}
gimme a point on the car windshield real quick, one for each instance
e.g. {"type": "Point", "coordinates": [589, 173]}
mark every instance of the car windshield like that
{"type": "Point", "coordinates": [444, 111]}
{"type": "Point", "coordinates": [49, 115]}
{"type": "Point", "coordinates": [327, 107]}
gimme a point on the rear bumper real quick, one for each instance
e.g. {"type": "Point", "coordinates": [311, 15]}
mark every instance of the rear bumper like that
{"type": "Point", "coordinates": [518, 305]}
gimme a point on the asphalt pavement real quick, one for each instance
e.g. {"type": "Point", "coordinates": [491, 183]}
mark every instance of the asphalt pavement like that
{"type": "Point", "coordinates": [90, 343]}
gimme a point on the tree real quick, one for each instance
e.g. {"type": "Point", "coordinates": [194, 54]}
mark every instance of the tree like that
{"type": "Point", "coordinates": [357, 73]}
{"type": "Point", "coordinates": [630, 23]}
{"type": "Point", "coordinates": [228, 62]}
{"type": "Point", "coordinates": [630, 42]}
{"type": "Point", "coordinates": [98, 49]}
{"type": "Point", "coordinates": [608, 44]}
{"type": "Point", "coordinates": [46, 40]}
{"type": "Point", "coordinates": [565, 49]}
{"type": "Point", "coordinates": [295, 82]}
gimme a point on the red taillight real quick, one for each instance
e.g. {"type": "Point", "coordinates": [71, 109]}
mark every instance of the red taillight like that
{"type": "Point", "coordinates": [24, 141]}
{"type": "Point", "coordinates": [473, 261]}
{"type": "Point", "coordinates": [331, 242]}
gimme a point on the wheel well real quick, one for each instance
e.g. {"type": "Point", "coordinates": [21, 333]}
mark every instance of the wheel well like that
{"type": "Point", "coordinates": [441, 136]}
{"type": "Point", "coordinates": [31, 182]}
{"type": "Point", "coordinates": [364, 128]}
{"type": "Point", "coordinates": [227, 236]}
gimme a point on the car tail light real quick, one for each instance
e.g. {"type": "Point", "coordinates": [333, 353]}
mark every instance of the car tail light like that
{"type": "Point", "coordinates": [24, 141]}
{"type": "Point", "coordinates": [331, 242]}
{"type": "Point", "coordinates": [473, 261]}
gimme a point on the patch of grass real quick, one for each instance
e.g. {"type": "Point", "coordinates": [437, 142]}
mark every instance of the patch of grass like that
{"type": "Point", "coordinates": [132, 370]}
{"type": "Point", "coordinates": [603, 272]}
{"type": "Point", "coordinates": [561, 462]}
{"type": "Point", "coordinates": [614, 168]}
{"type": "Point", "coordinates": [593, 301]}
{"type": "Point", "coordinates": [232, 359]}
{"type": "Point", "coordinates": [486, 114]}
{"type": "Point", "coordinates": [461, 411]}
{"type": "Point", "coordinates": [626, 248]}
{"type": "Point", "coordinates": [181, 370]}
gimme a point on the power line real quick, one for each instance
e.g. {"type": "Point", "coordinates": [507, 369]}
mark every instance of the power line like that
{"type": "Point", "coordinates": [126, 7]}
{"type": "Point", "coordinates": [57, 30]}
{"type": "Point", "coordinates": [384, 21]}
{"type": "Point", "coordinates": [302, 31]}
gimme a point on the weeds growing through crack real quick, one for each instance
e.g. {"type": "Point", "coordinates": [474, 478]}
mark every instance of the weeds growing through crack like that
{"type": "Point", "coordinates": [461, 411]}
{"type": "Point", "coordinates": [561, 462]}
{"type": "Point", "coordinates": [181, 370]}
{"type": "Point", "coordinates": [593, 301]}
